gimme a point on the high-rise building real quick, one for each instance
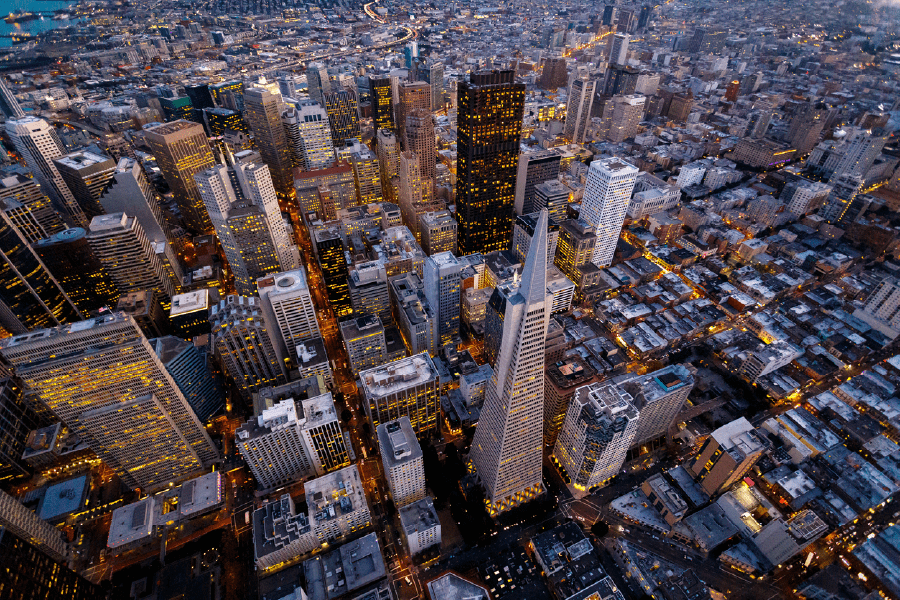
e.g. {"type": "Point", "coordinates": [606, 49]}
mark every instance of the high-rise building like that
{"type": "Point", "coordinates": [37, 142]}
{"type": "Point", "coordinates": [343, 116]}
{"type": "Point", "coordinates": [103, 379]}
{"type": "Point", "coordinates": [381, 90]}
{"type": "Point", "coordinates": [25, 524]}
{"type": "Point", "coordinates": [553, 197]}
{"type": "Point", "coordinates": [419, 138]}
{"type": "Point", "coordinates": [288, 306]}
{"type": "Point", "coordinates": [309, 135]}
{"type": "Point", "coordinates": [442, 288]}
{"type": "Point", "coordinates": [369, 293]}
{"type": "Point", "coordinates": [806, 127]}
{"type": "Point", "coordinates": [534, 168]}
{"type": "Point", "coordinates": [434, 75]}
{"type": "Point", "coordinates": [599, 427]}
{"type": "Point", "coordinates": [860, 152]}
{"type": "Point", "coordinates": [330, 253]}
{"type": "Point", "coordinates": [437, 231]}
{"type": "Point", "coordinates": [243, 342]}
{"type": "Point", "coordinates": [412, 195]}
{"type": "Point", "coordinates": [401, 456]}
{"type": "Point", "coordinates": [882, 309]}
{"type": "Point", "coordinates": [562, 379]}
{"type": "Point", "coordinates": [621, 116]}
{"type": "Point", "coordinates": [680, 106]}
{"type": "Point", "coordinates": [388, 151]}
{"type": "Point", "coordinates": [87, 174]}
{"type": "Point", "coordinates": [9, 106]}
{"type": "Point", "coordinates": [120, 244]}
{"type": "Point", "coordinates": [408, 387]}
{"type": "Point", "coordinates": [554, 75]}
{"type": "Point", "coordinates": [618, 52]}
{"type": "Point", "coordinates": [187, 365]}
{"type": "Point", "coordinates": [182, 150]}
{"type": "Point", "coordinates": [802, 197]}
{"type": "Point", "coordinates": [366, 172]}
{"type": "Point", "coordinates": [178, 108]}
{"type": "Point", "coordinates": [364, 340]}
{"type": "Point", "coordinates": [606, 194]}
{"type": "Point", "coordinates": [318, 82]}
{"type": "Point", "coordinates": [336, 504]}
{"type": "Point", "coordinates": [23, 220]}
{"type": "Point", "coordinates": [412, 95]}
{"type": "Point", "coordinates": [575, 247]}
{"type": "Point", "coordinates": [17, 421]}
{"type": "Point", "coordinates": [707, 41]}
{"type": "Point", "coordinates": [31, 572]}
{"type": "Point", "coordinates": [844, 203]}
{"type": "Point", "coordinates": [14, 186]}
{"type": "Point", "coordinates": [293, 439]}
{"type": "Point", "coordinates": [222, 120]}
{"type": "Point", "coordinates": [130, 191]}
{"type": "Point", "coordinates": [578, 109]}
{"type": "Point", "coordinates": [30, 298]}
{"type": "Point", "coordinates": [262, 111]}
{"type": "Point", "coordinates": [243, 207]}
{"type": "Point", "coordinates": [659, 397]}
{"type": "Point", "coordinates": [69, 258]}
{"type": "Point", "coordinates": [489, 125]}
{"type": "Point", "coordinates": [415, 317]}
{"type": "Point", "coordinates": [727, 455]}
{"type": "Point", "coordinates": [507, 447]}
{"type": "Point", "coordinates": [523, 233]}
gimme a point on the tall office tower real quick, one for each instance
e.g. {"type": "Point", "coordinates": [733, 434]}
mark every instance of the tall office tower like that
{"type": "Point", "coordinates": [330, 253]}
{"type": "Point", "coordinates": [599, 427]}
{"type": "Point", "coordinates": [272, 445]}
{"type": "Point", "coordinates": [30, 298]}
{"type": "Point", "coordinates": [130, 191]}
{"type": "Point", "coordinates": [318, 82]}
{"type": "Point", "coordinates": [27, 192]}
{"type": "Point", "coordinates": [31, 572]}
{"type": "Point", "coordinates": [23, 220]}
{"type": "Point", "coordinates": [758, 124]}
{"type": "Point", "coordinates": [606, 194]}
{"type": "Point", "coordinates": [621, 117]}
{"type": "Point", "coordinates": [806, 127]}
{"type": "Point", "coordinates": [415, 317]}
{"type": "Point", "coordinates": [343, 116]}
{"type": "Point", "coordinates": [17, 420]}
{"type": "Point", "coordinates": [413, 199]}
{"type": "Point", "coordinates": [182, 150]}
{"type": "Point", "coordinates": [219, 121]}
{"type": "Point", "coordinates": [564, 376]}
{"type": "Point", "coordinates": [861, 150]}
{"type": "Point", "coordinates": [200, 95]}
{"type": "Point", "coordinates": [102, 378]}
{"type": "Point", "coordinates": [442, 288]}
{"type": "Point", "coordinates": [438, 232]}
{"type": "Point", "coordinates": [408, 387]}
{"type": "Point", "coordinates": [69, 258]}
{"type": "Point", "coordinates": [659, 397]}
{"type": "Point", "coordinates": [727, 455]}
{"type": "Point", "coordinates": [387, 149]}
{"type": "Point", "coordinates": [575, 248]}
{"type": "Point", "coordinates": [506, 450]}
{"type": "Point", "coordinates": [310, 135]}
{"type": "Point", "coordinates": [802, 197]}
{"type": "Point", "coordinates": [882, 309]}
{"type": "Point", "coordinates": [523, 234]}
{"type": "Point", "coordinates": [37, 142]}
{"type": "Point", "coordinates": [9, 106]}
{"type": "Point", "coordinates": [243, 342]}
{"type": "Point", "coordinates": [87, 174]}
{"type": "Point", "coordinates": [228, 94]}
{"type": "Point", "coordinates": [434, 75]}
{"type": "Point", "coordinates": [129, 258]}
{"type": "Point", "coordinates": [419, 138]}
{"type": "Point", "coordinates": [364, 341]}
{"type": "Point", "coordinates": [534, 167]}
{"type": "Point", "coordinates": [618, 52]}
{"type": "Point", "coordinates": [707, 41]}
{"type": "Point", "coordinates": [288, 306]}
{"type": "Point", "coordinates": [369, 294]}
{"type": "Point", "coordinates": [26, 525]}
{"type": "Point", "coordinates": [401, 456]}
{"type": "Point", "coordinates": [680, 106]}
{"type": "Point", "coordinates": [381, 90]}
{"type": "Point", "coordinates": [186, 364]}
{"type": "Point", "coordinates": [554, 74]}
{"type": "Point", "coordinates": [553, 197]}
{"type": "Point", "coordinates": [243, 208]}
{"type": "Point", "coordinates": [489, 124]}
{"type": "Point", "coordinates": [178, 108]}
{"type": "Point", "coordinates": [645, 15]}
{"type": "Point", "coordinates": [578, 109]}
{"type": "Point", "coordinates": [366, 174]}
{"type": "Point", "coordinates": [844, 203]}
{"type": "Point", "coordinates": [412, 95]}
{"type": "Point", "coordinates": [262, 111]}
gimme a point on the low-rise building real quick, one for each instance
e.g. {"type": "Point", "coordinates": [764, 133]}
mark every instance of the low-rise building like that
{"type": "Point", "coordinates": [421, 526]}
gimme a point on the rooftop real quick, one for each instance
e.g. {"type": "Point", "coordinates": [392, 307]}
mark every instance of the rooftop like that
{"type": "Point", "coordinates": [401, 374]}
{"type": "Point", "coordinates": [347, 568]}
{"type": "Point", "coordinates": [418, 516]}
{"type": "Point", "coordinates": [398, 442]}
{"type": "Point", "coordinates": [190, 302]}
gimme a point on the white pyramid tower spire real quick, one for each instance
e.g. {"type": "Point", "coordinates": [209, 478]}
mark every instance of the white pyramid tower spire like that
{"type": "Point", "coordinates": [507, 448]}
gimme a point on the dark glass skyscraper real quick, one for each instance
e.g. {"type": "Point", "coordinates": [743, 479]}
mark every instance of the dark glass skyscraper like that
{"type": "Point", "coordinates": [17, 420]}
{"type": "Point", "coordinates": [489, 125]}
{"type": "Point", "coordinates": [69, 258]}
{"type": "Point", "coordinates": [330, 251]}
{"type": "Point", "coordinates": [29, 297]}
{"type": "Point", "coordinates": [343, 116]}
{"type": "Point", "coordinates": [30, 573]}
{"type": "Point", "coordinates": [382, 102]}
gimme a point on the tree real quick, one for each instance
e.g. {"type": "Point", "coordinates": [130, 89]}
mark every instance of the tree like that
{"type": "Point", "coordinates": [600, 529]}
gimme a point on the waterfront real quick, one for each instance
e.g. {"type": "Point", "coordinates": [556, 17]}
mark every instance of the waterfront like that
{"type": "Point", "coordinates": [36, 26]}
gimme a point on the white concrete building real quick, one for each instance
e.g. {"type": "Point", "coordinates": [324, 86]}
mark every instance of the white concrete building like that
{"type": "Point", "coordinates": [608, 189]}
{"type": "Point", "coordinates": [401, 457]}
{"type": "Point", "coordinates": [421, 526]}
